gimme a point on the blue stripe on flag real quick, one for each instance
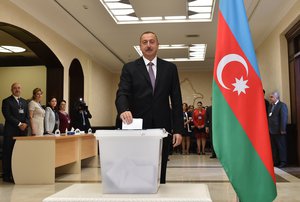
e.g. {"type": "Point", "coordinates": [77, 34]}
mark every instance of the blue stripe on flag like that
{"type": "Point", "coordinates": [238, 23]}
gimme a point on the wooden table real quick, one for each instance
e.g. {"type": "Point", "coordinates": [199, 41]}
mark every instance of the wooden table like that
{"type": "Point", "coordinates": [36, 159]}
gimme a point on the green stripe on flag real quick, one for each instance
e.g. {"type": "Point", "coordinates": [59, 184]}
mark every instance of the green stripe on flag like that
{"type": "Point", "coordinates": [246, 171]}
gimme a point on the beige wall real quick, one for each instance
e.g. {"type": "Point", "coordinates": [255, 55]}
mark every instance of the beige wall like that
{"type": "Point", "coordinates": [96, 76]}
{"type": "Point", "coordinates": [98, 92]}
{"type": "Point", "coordinates": [196, 86]}
{"type": "Point", "coordinates": [273, 59]}
{"type": "Point", "coordinates": [28, 77]}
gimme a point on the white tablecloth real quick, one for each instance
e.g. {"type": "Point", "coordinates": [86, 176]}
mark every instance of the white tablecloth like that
{"type": "Point", "coordinates": [170, 192]}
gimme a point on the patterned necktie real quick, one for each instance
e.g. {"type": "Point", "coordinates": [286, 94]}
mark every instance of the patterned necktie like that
{"type": "Point", "coordinates": [272, 108]}
{"type": "Point", "coordinates": [83, 118]}
{"type": "Point", "coordinates": [19, 102]}
{"type": "Point", "coordinates": [151, 74]}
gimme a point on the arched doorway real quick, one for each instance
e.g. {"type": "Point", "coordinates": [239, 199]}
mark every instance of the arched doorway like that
{"type": "Point", "coordinates": [44, 56]}
{"type": "Point", "coordinates": [76, 86]}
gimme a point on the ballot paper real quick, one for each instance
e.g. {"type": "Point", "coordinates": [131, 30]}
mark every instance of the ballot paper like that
{"type": "Point", "coordinates": [136, 124]}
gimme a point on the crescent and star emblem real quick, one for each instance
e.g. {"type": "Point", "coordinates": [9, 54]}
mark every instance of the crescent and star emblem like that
{"type": "Point", "coordinates": [240, 84]}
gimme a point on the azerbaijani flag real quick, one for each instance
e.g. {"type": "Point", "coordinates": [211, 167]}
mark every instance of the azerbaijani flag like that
{"type": "Point", "coordinates": [241, 136]}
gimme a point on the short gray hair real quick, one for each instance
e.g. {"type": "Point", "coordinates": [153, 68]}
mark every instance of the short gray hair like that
{"type": "Point", "coordinates": [276, 95]}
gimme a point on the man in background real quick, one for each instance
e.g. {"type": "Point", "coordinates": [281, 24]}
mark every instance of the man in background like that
{"type": "Point", "coordinates": [277, 118]}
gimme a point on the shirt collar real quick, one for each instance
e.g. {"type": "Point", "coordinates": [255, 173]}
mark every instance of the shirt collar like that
{"type": "Point", "coordinates": [276, 102]}
{"type": "Point", "coordinates": [154, 61]}
{"type": "Point", "coordinates": [16, 97]}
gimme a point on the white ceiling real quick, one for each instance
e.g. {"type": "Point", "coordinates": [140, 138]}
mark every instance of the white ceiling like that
{"type": "Point", "coordinates": [88, 25]}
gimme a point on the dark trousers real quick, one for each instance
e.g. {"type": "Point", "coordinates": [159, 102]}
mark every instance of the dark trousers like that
{"type": "Point", "coordinates": [164, 160]}
{"type": "Point", "coordinates": [279, 148]}
{"type": "Point", "coordinates": [213, 153]}
{"type": "Point", "coordinates": [8, 145]}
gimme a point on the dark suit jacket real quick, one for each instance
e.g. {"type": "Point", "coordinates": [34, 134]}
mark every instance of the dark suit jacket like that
{"type": "Point", "coordinates": [136, 95]}
{"type": "Point", "coordinates": [278, 119]}
{"type": "Point", "coordinates": [10, 110]}
{"type": "Point", "coordinates": [208, 118]}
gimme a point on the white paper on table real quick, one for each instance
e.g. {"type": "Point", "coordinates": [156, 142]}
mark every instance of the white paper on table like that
{"type": "Point", "coordinates": [136, 124]}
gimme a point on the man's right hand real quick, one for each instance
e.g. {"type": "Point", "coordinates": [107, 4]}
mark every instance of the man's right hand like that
{"type": "Point", "coordinates": [126, 117]}
{"type": "Point", "coordinates": [23, 126]}
{"type": "Point", "coordinates": [207, 129]}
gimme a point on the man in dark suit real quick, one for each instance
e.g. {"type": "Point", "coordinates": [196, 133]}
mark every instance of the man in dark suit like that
{"type": "Point", "coordinates": [146, 87]}
{"type": "Point", "coordinates": [15, 112]}
{"type": "Point", "coordinates": [277, 118]}
{"type": "Point", "coordinates": [266, 103]}
{"type": "Point", "coordinates": [208, 130]}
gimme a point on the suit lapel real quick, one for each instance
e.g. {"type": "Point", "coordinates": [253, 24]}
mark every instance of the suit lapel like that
{"type": "Point", "coordinates": [14, 101]}
{"type": "Point", "coordinates": [158, 73]}
{"type": "Point", "coordinates": [278, 106]}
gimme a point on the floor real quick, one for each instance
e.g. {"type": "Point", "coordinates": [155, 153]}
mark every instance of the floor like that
{"type": "Point", "coordinates": [181, 169]}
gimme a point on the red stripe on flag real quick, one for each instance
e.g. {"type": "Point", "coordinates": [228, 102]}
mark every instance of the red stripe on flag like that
{"type": "Point", "coordinates": [248, 107]}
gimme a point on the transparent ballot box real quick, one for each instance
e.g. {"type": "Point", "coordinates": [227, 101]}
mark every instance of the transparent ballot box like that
{"type": "Point", "coordinates": [130, 160]}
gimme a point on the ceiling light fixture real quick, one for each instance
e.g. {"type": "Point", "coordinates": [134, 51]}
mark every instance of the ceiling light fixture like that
{"type": "Point", "coordinates": [124, 13]}
{"type": "Point", "coordinates": [196, 51]}
{"type": "Point", "coordinates": [151, 18]}
{"type": "Point", "coordinates": [11, 49]}
{"type": "Point", "coordinates": [175, 17]}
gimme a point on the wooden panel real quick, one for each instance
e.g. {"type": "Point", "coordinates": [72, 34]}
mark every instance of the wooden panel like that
{"type": "Point", "coordinates": [33, 161]}
{"type": "Point", "coordinates": [88, 146]}
{"type": "Point", "coordinates": [66, 150]}
{"type": "Point", "coordinates": [50, 155]}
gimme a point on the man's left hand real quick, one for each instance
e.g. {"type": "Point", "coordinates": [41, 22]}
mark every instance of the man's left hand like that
{"type": "Point", "coordinates": [177, 138]}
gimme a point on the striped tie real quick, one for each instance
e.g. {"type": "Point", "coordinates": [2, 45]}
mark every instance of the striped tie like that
{"type": "Point", "coordinates": [151, 74]}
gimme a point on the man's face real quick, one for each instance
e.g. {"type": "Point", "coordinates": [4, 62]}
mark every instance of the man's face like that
{"type": "Point", "coordinates": [272, 99]}
{"type": "Point", "coordinates": [149, 46]}
{"type": "Point", "coordinates": [16, 90]}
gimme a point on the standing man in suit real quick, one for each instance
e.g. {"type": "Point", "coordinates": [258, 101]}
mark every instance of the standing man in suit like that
{"type": "Point", "coordinates": [266, 103]}
{"type": "Point", "coordinates": [15, 112]}
{"type": "Point", "coordinates": [277, 118]}
{"type": "Point", "coordinates": [208, 130]}
{"type": "Point", "coordinates": [146, 87]}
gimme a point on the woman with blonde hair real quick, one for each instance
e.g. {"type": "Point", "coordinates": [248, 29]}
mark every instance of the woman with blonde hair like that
{"type": "Point", "coordinates": [36, 113]}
